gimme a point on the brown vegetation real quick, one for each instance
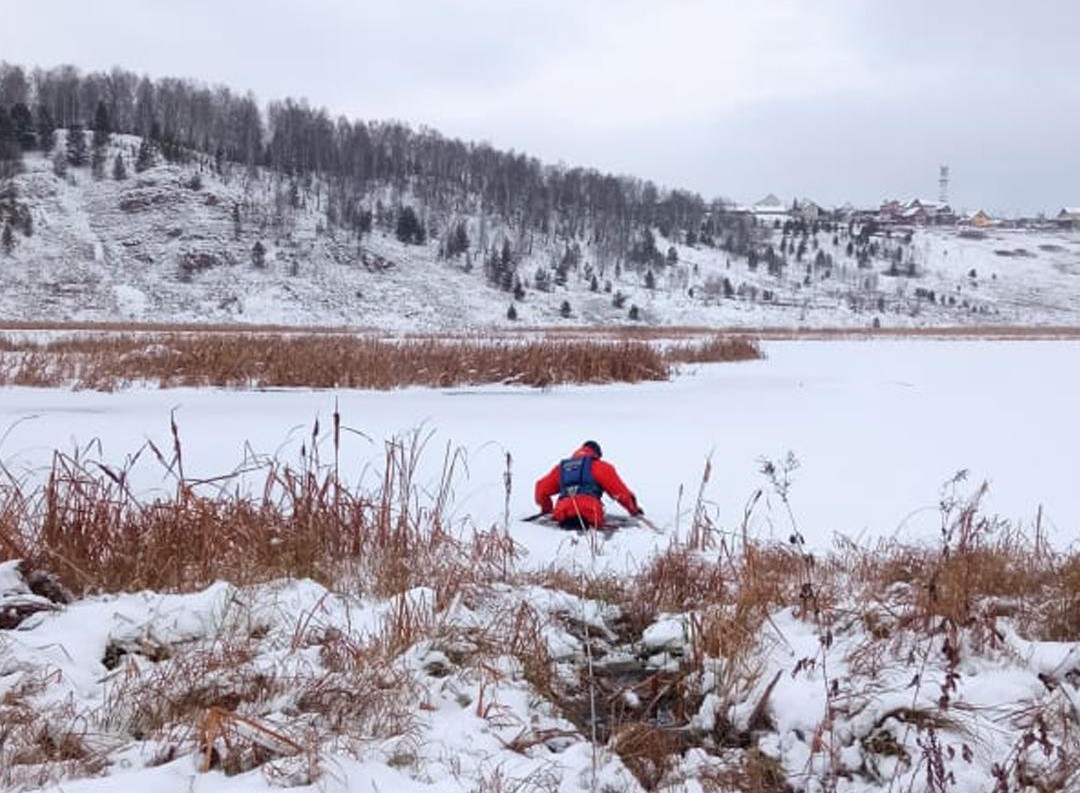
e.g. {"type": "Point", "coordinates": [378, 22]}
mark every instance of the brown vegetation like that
{"type": "Point", "coordinates": [109, 361]}
{"type": "Point", "coordinates": [914, 604]}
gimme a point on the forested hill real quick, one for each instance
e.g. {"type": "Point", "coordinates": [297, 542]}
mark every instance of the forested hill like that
{"type": "Point", "coordinates": [123, 198]}
{"type": "Point", "coordinates": [184, 119]}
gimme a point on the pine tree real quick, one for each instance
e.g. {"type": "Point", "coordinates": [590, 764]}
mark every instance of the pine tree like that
{"type": "Point", "coordinates": [511, 313]}
{"type": "Point", "coordinates": [564, 309]}
{"type": "Point", "coordinates": [100, 141]}
{"type": "Point", "coordinates": [634, 313]}
{"type": "Point", "coordinates": [45, 127]}
{"type": "Point", "coordinates": [146, 156]}
{"type": "Point", "coordinates": [542, 280]}
{"type": "Point", "coordinates": [23, 122]}
{"type": "Point", "coordinates": [10, 151]}
{"type": "Point", "coordinates": [7, 239]}
{"type": "Point", "coordinates": [236, 220]}
{"type": "Point", "coordinates": [458, 242]}
{"type": "Point", "coordinates": [408, 228]}
{"type": "Point", "coordinates": [650, 280]}
{"type": "Point", "coordinates": [258, 254]}
{"type": "Point", "coordinates": [119, 170]}
{"type": "Point", "coordinates": [76, 146]}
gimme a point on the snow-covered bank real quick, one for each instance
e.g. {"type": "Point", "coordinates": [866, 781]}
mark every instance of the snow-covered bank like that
{"type": "Point", "coordinates": [832, 682]}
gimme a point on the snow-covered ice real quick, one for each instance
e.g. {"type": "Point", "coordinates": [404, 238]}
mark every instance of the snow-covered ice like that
{"type": "Point", "coordinates": [876, 427]}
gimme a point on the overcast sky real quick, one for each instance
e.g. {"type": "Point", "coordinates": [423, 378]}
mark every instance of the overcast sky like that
{"type": "Point", "coordinates": [836, 100]}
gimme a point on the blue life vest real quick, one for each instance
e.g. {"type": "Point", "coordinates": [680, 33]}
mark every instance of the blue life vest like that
{"type": "Point", "coordinates": [576, 478]}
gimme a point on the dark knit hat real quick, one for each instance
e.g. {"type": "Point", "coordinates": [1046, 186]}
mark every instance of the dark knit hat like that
{"type": "Point", "coordinates": [594, 446]}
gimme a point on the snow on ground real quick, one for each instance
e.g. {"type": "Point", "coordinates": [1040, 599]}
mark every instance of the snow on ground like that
{"type": "Point", "coordinates": [876, 426]}
{"type": "Point", "coordinates": [162, 246]}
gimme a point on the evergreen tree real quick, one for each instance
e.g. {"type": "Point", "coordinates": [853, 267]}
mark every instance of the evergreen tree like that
{"type": "Point", "coordinates": [634, 313]}
{"type": "Point", "coordinates": [519, 290]}
{"type": "Point", "coordinates": [146, 156]}
{"type": "Point", "coordinates": [236, 220]}
{"type": "Point", "coordinates": [119, 170]}
{"type": "Point", "coordinates": [258, 254]}
{"type": "Point", "coordinates": [100, 141]}
{"type": "Point", "coordinates": [542, 280]}
{"type": "Point", "coordinates": [76, 146]}
{"type": "Point", "coordinates": [564, 309]}
{"type": "Point", "coordinates": [511, 313]}
{"type": "Point", "coordinates": [409, 229]}
{"type": "Point", "coordinates": [363, 222]}
{"type": "Point", "coordinates": [7, 239]}
{"type": "Point", "coordinates": [618, 300]}
{"type": "Point", "coordinates": [45, 127]}
{"type": "Point", "coordinates": [23, 122]}
{"type": "Point", "coordinates": [561, 274]}
{"type": "Point", "coordinates": [458, 242]}
{"type": "Point", "coordinates": [10, 151]}
{"type": "Point", "coordinates": [650, 280]}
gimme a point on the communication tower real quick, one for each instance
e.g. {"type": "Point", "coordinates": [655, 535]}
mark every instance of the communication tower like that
{"type": "Point", "coordinates": [943, 184]}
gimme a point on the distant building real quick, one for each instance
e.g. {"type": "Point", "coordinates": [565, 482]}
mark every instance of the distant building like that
{"type": "Point", "coordinates": [917, 211]}
{"type": "Point", "coordinates": [980, 220]}
{"type": "Point", "coordinates": [890, 210]}
{"type": "Point", "coordinates": [1069, 217]}
{"type": "Point", "coordinates": [770, 205]}
{"type": "Point", "coordinates": [806, 210]}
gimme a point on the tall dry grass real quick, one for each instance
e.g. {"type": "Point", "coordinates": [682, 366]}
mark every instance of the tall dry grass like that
{"type": "Point", "coordinates": [911, 605]}
{"type": "Point", "coordinates": [87, 524]}
{"type": "Point", "coordinates": [917, 607]}
{"type": "Point", "coordinates": [108, 361]}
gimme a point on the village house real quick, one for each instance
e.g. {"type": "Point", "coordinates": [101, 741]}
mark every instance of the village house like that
{"type": "Point", "coordinates": [806, 210]}
{"type": "Point", "coordinates": [917, 212]}
{"type": "Point", "coordinates": [769, 208]}
{"type": "Point", "coordinates": [1069, 217]}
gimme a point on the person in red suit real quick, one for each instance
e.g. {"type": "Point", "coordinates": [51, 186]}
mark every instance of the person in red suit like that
{"type": "Point", "coordinates": [580, 480]}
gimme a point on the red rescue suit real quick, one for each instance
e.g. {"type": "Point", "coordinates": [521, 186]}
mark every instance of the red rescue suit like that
{"type": "Point", "coordinates": [583, 504]}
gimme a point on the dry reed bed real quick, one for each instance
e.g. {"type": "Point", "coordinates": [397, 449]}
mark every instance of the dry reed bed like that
{"type": "Point", "coordinates": [911, 605]}
{"type": "Point", "coordinates": [107, 362]}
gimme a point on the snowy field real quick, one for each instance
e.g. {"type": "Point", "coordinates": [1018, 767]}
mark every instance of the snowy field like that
{"type": "Point", "coordinates": [877, 427]}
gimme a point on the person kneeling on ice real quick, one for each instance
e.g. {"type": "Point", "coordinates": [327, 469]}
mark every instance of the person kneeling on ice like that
{"type": "Point", "coordinates": [580, 481]}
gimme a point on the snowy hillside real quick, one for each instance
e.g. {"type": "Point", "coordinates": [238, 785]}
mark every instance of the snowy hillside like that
{"type": "Point", "coordinates": [175, 244]}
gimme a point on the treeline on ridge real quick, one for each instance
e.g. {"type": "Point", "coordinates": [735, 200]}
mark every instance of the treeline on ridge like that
{"type": "Point", "coordinates": [353, 159]}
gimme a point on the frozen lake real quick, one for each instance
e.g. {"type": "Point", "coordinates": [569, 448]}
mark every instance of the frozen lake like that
{"type": "Point", "coordinates": [877, 427]}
